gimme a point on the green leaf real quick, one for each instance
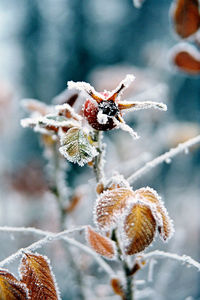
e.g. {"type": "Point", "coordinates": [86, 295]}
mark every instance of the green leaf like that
{"type": "Point", "coordinates": [76, 147]}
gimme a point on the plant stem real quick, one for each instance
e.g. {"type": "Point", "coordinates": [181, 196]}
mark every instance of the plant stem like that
{"type": "Point", "coordinates": [129, 291]}
{"type": "Point", "coordinates": [98, 161]}
{"type": "Point", "coordinates": [58, 182]}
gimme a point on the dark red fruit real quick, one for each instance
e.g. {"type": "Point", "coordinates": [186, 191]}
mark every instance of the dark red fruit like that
{"type": "Point", "coordinates": [108, 108]}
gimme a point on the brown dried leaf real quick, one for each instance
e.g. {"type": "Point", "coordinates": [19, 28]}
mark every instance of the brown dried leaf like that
{"type": "Point", "coordinates": [117, 287]}
{"type": "Point", "coordinates": [36, 274]}
{"type": "Point", "coordinates": [188, 60]}
{"type": "Point", "coordinates": [109, 205]}
{"type": "Point", "coordinates": [11, 288]}
{"type": "Point", "coordinates": [101, 244]}
{"type": "Point", "coordinates": [186, 17]}
{"type": "Point", "coordinates": [139, 228]}
{"type": "Point", "coordinates": [74, 201]}
{"type": "Point", "coordinates": [150, 195]}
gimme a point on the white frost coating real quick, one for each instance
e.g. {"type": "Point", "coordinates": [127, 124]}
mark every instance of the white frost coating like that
{"type": "Point", "coordinates": [81, 161]}
{"type": "Point", "coordinates": [47, 121]}
{"type": "Point", "coordinates": [102, 118]}
{"type": "Point", "coordinates": [84, 87]}
{"type": "Point", "coordinates": [124, 84]}
{"type": "Point", "coordinates": [78, 151]}
{"type": "Point", "coordinates": [135, 201]}
{"type": "Point", "coordinates": [145, 105]}
{"type": "Point", "coordinates": [67, 107]}
{"type": "Point", "coordinates": [50, 237]}
{"type": "Point", "coordinates": [18, 283]}
{"type": "Point", "coordinates": [50, 268]}
{"type": "Point", "coordinates": [161, 254]}
{"type": "Point", "coordinates": [104, 202]}
{"type": "Point", "coordinates": [126, 128]}
{"type": "Point", "coordinates": [118, 180]}
{"type": "Point", "coordinates": [162, 158]}
{"type": "Point", "coordinates": [158, 217]}
{"type": "Point", "coordinates": [184, 47]}
{"type": "Point", "coordinates": [29, 122]}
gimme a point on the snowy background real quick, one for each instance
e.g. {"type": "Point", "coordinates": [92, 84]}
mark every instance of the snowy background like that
{"type": "Point", "coordinates": [43, 44]}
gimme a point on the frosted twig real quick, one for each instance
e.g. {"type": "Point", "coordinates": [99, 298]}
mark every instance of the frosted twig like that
{"type": "Point", "coordinates": [99, 161]}
{"type": "Point", "coordinates": [164, 157]}
{"type": "Point", "coordinates": [152, 263]}
{"type": "Point", "coordinates": [182, 258]}
{"type": "Point", "coordinates": [22, 229]}
{"type": "Point", "coordinates": [50, 237]}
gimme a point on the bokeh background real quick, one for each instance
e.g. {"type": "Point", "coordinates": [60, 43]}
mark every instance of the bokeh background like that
{"type": "Point", "coordinates": [43, 44]}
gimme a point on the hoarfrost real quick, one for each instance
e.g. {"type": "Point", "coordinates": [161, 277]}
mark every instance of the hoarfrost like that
{"type": "Point", "coordinates": [158, 160]}
{"type": "Point", "coordinates": [76, 147]}
{"type": "Point", "coordinates": [126, 128]}
{"type": "Point", "coordinates": [84, 87]}
{"type": "Point", "coordinates": [102, 118]}
{"type": "Point", "coordinates": [124, 84]}
{"type": "Point", "coordinates": [67, 107]}
{"type": "Point", "coordinates": [145, 105]}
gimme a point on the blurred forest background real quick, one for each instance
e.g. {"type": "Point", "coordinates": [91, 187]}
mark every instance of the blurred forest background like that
{"type": "Point", "coordinates": [43, 44]}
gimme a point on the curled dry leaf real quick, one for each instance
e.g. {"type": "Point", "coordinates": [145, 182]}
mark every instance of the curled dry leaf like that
{"type": "Point", "coordinates": [36, 274]}
{"type": "Point", "coordinates": [117, 287]}
{"type": "Point", "coordinates": [101, 244]}
{"type": "Point", "coordinates": [187, 59]}
{"type": "Point", "coordinates": [166, 228]}
{"type": "Point", "coordinates": [186, 17]}
{"type": "Point", "coordinates": [139, 228]}
{"type": "Point", "coordinates": [110, 204]}
{"type": "Point", "coordinates": [11, 288]}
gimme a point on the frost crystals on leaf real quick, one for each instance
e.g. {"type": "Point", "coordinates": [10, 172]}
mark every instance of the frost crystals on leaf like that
{"type": "Point", "coordinates": [76, 147]}
{"type": "Point", "coordinates": [139, 228]}
{"type": "Point", "coordinates": [36, 274]}
{"type": "Point", "coordinates": [149, 195]}
{"type": "Point", "coordinates": [110, 206]}
{"type": "Point", "coordinates": [11, 288]}
{"type": "Point", "coordinates": [101, 244]}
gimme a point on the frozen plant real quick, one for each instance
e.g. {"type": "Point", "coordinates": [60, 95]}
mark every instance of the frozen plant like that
{"type": "Point", "coordinates": [126, 220]}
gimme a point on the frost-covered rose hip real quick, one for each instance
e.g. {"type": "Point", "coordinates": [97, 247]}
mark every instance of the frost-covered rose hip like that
{"type": "Point", "coordinates": [100, 115]}
{"type": "Point", "coordinates": [103, 111]}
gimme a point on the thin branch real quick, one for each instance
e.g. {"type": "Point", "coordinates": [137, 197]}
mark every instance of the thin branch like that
{"type": "Point", "coordinates": [182, 258]}
{"type": "Point", "coordinates": [99, 161]}
{"type": "Point", "coordinates": [164, 157]}
{"type": "Point", "coordinates": [50, 237]}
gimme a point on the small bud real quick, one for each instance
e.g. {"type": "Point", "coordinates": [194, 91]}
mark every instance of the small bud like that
{"type": "Point", "coordinates": [100, 188]}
